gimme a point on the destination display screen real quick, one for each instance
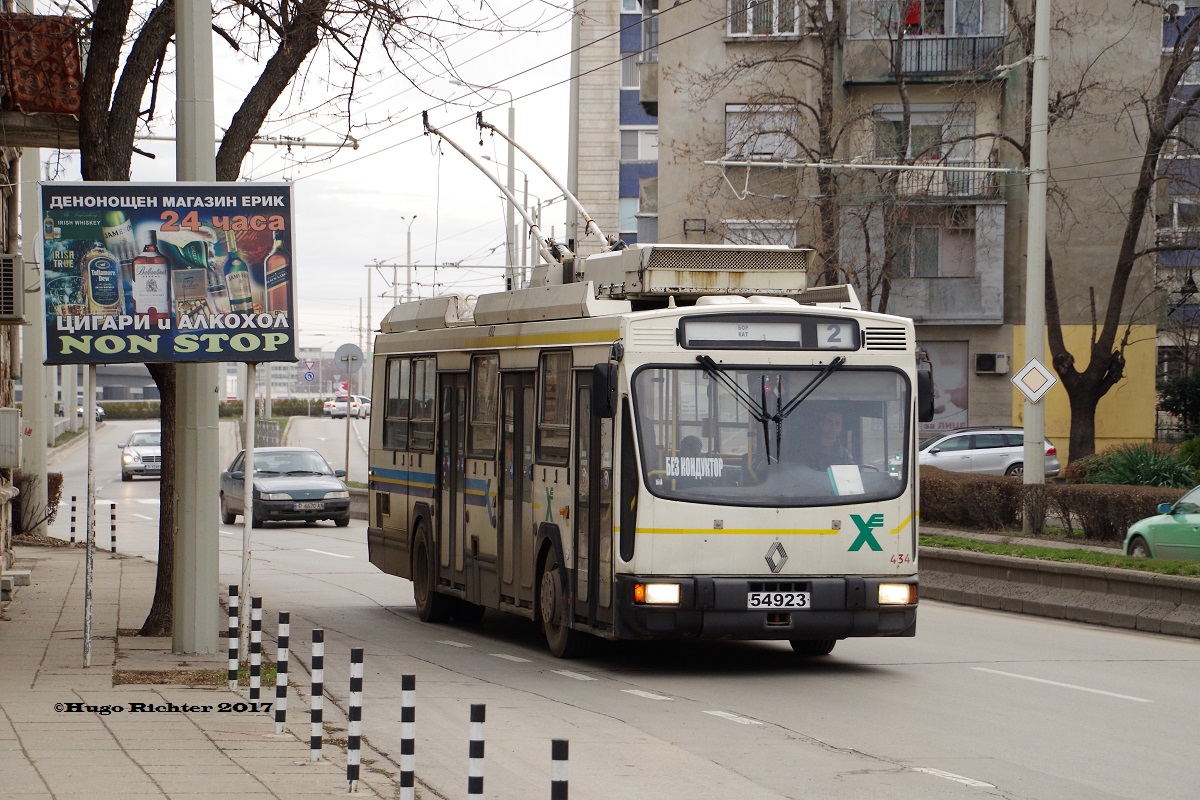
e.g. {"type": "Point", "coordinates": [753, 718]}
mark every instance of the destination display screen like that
{"type": "Point", "coordinates": [764, 332]}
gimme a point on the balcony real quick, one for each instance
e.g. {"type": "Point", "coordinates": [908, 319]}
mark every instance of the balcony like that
{"type": "Point", "coordinates": [952, 56]}
{"type": "Point", "coordinates": [41, 80]}
{"type": "Point", "coordinates": [934, 185]}
{"type": "Point", "coordinates": [934, 59]}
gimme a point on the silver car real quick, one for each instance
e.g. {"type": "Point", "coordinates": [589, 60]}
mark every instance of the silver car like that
{"type": "Point", "coordinates": [141, 455]}
{"type": "Point", "coordinates": [989, 451]}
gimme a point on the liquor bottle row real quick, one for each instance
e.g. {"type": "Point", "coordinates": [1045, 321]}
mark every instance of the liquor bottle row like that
{"type": "Point", "coordinates": [175, 274]}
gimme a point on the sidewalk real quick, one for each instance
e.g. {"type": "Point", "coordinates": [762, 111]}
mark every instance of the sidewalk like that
{"type": "Point", "coordinates": [49, 750]}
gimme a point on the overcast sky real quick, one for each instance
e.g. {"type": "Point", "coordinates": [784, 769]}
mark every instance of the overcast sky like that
{"type": "Point", "coordinates": [354, 207]}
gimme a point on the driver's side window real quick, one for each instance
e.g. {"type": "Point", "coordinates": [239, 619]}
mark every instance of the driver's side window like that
{"type": "Point", "coordinates": [955, 443]}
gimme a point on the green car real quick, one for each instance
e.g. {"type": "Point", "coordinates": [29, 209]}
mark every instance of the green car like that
{"type": "Point", "coordinates": [1173, 533]}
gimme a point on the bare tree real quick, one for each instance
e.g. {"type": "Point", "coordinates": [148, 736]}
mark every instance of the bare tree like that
{"type": "Point", "coordinates": [130, 52]}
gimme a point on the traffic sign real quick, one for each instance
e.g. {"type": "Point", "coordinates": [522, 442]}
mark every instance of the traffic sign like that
{"type": "Point", "coordinates": [1034, 380]}
{"type": "Point", "coordinates": [349, 355]}
{"type": "Point", "coordinates": [309, 364]}
{"type": "Point", "coordinates": [310, 376]}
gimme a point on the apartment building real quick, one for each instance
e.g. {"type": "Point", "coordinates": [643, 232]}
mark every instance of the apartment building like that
{"type": "Point", "coordinates": [616, 130]}
{"type": "Point", "coordinates": [749, 92]}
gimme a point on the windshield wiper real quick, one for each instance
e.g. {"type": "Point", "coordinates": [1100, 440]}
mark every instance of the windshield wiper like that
{"type": "Point", "coordinates": [303, 472]}
{"type": "Point", "coordinates": [757, 410]}
{"type": "Point", "coordinates": [811, 387]}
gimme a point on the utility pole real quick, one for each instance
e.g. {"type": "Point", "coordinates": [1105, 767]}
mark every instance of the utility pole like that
{"type": "Point", "coordinates": [194, 628]}
{"type": "Point", "coordinates": [1035, 247]}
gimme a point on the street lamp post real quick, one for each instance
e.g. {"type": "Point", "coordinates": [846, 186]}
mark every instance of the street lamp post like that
{"type": "Point", "coordinates": [408, 262]}
{"type": "Point", "coordinates": [510, 232]}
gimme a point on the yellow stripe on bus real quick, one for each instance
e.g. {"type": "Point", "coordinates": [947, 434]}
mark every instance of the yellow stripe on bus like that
{"type": "Point", "coordinates": [740, 531]}
{"type": "Point", "coordinates": [896, 530]}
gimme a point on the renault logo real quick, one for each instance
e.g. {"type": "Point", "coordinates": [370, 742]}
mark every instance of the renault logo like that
{"type": "Point", "coordinates": [776, 557]}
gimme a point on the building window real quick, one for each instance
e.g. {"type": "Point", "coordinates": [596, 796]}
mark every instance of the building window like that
{"type": "Point", "coordinates": [760, 231]}
{"type": "Point", "coordinates": [935, 242]}
{"type": "Point", "coordinates": [630, 76]}
{"type": "Point", "coordinates": [639, 145]}
{"type": "Point", "coordinates": [885, 18]}
{"type": "Point", "coordinates": [933, 135]}
{"type": "Point", "coordinates": [761, 132]}
{"type": "Point", "coordinates": [763, 18]}
{"type": "Point", "coordinates": [1185, 139]}
{"type": "Point", "coordinates": [1185, 213]}
{"type": "Point", "coordinates": [629, 207]}
{"type": "Point", "coordinates": [631, 6]}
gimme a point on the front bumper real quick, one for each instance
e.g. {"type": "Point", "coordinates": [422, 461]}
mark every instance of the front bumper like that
{"type": "Point", "coordinates": [287, 510]}
{"type": "Point", "coordinates": [716, 608]}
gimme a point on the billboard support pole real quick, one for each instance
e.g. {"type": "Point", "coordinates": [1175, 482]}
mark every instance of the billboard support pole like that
{"type": "Point", "coordinates": [247, 501]}
{"type": "Point", "coordinates": [89, 410]}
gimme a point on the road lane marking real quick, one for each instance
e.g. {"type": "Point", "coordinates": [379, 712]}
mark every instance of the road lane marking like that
{"type": "Point", "coordinates": [566, 673]}
{"type": "Point", "coordinates": [950, 776]}
{"type": "Point", "coordinates": [507, 657]}
{"type": "Point", "coordinates": [141, 516]}
{"type": "Point", "coordinates": [325, 553]}
{"type": "Point", "coordinates": [734, 717]}
{"type": "Point", "coordinates": [647, 695]}
{"type": "Point", "coordinates": [1065, 685]}
{"type": "Point", "coordinates": [453, 643]}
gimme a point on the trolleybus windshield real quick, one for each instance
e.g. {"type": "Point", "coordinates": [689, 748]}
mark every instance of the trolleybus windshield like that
{"type": "Point", "coordinates": [719, 434]}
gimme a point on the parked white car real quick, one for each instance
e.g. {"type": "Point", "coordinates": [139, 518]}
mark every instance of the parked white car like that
{"type": "Point", "coordinates": [990, 451]}
{"type": "Point", "coordinates": [359, 406]}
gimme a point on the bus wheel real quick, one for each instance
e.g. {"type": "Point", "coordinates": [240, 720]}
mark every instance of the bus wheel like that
{"type": "Point", "coordinates": [552, 603]}
{"type": "Point", "coordinates": [431, 606]}
{"type": "Point", "coordinates": [813, 647]}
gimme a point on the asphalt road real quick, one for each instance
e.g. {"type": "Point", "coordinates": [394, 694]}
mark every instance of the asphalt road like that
{"type": "Point", "coordinates": [978, 704]}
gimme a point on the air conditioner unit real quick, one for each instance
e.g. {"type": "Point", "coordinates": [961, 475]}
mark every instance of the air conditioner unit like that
{"type": "Point", "coordinates": [12, 290]}
{"type": "Point", "coordinates": [1174, 10]}
{"type": "Point", "coordinates": [991, 363]}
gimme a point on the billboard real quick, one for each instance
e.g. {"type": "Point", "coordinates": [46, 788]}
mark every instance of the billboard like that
{"type": "Point", "coordinates": [168, 272]}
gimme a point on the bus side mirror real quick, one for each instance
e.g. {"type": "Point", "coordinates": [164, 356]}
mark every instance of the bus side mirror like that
{"type": "Point", "coordinates": [604, 390]}
{"type": "Point", "coordinates": [924, 395]}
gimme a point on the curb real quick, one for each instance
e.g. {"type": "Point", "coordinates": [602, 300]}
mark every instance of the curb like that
{"type": "Point", "coordinates": [1167, 604]}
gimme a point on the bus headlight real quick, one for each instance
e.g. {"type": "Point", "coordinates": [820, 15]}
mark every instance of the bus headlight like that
{"type": "Point", "coordinates": [656, 594]}
{"type": "Point", "coordinates": [897, 594]}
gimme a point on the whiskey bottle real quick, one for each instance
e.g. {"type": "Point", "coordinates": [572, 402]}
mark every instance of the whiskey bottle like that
{"type": "Point", "coordinates": [237, 277]}
{"type": "Point", "coordinates": [277, 275]}
{"type": "Point", "coordinates": [101, 275]}
{"type": "Point", "coordinates": [150, 281]}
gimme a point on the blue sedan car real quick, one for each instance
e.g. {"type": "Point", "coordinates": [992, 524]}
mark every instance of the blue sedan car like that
{"type": "Point", "coordinates": [290, 483]}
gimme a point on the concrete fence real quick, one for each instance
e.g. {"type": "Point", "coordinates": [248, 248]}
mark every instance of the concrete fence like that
{"type": "Point", "coordinates": [1079, 592]}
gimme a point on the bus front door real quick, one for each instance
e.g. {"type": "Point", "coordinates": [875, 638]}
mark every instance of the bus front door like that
{"type": "Point", "coordinates": [593, 511]}
{"type": "Point", "coordinates": [516, 489]}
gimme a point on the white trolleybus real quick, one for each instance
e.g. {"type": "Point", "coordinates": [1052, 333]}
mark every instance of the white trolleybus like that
{"type": "Point", "coordinates": [682, 443]}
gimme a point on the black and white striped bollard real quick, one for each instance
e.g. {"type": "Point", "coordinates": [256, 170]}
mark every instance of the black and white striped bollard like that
{"type": "Point", "coordinates": [558, 769]}
{"type": "Point", "coordinates": [354, 731]}
{"type": "Point", "coordinates": [112, 528]}
{"type": "Point", "coordinates": [233, 636]}
{"type": "Point", "coordinates": [255, 647]}
{"type": "Point", "coordinates": [318, 694]}
{"type": "Point", "coordinates": [281, 671]}
{"type": "Point", "coordinates": [408, 736]}
{"type": "Point", "coordinates": [475, 751]}
{"type": "Point", "coordinates": [73, 504]}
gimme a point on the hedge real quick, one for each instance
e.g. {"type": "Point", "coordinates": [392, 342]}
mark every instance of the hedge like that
{"type": "Point", "coordinates": [1101, 512]}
